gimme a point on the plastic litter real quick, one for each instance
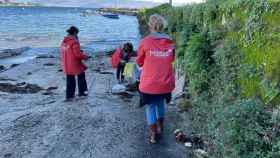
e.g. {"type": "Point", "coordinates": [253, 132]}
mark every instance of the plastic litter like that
{"type": "Point", "coordinates": [188, 144]}
{"type": "Point", "coordinates": [118, 88]}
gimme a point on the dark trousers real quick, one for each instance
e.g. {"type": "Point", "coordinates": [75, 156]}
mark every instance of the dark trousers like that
{"type": "Point", "coordinates": [120, 70]}
{"type": "Point", "coordinates": [71, 85]}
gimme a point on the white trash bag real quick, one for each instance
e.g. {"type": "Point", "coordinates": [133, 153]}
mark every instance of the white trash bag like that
{"type": "Point", "coordinates": [118, 88]}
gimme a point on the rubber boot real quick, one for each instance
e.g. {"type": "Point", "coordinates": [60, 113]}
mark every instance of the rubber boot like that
{"type": "Point", "coordinates": [160, 125]}
{"type": "Point", "coordinates": [153, 133]}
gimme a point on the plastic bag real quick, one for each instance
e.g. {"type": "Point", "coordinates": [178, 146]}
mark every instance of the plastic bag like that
{"type": "Point", "coordinates": [118, 88]}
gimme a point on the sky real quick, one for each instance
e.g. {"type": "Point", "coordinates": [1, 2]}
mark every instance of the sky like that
{"type": "Point", "coordinates": [175, 1]}
{"type": "Point", "coordinates": [107, 3]}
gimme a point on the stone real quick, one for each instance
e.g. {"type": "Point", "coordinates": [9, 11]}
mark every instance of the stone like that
{"type": "Point", "coordinates": [180, 86]}
{"type": "Point", "coordinates": [12, 52]}
{"type": "Point", "coordinates": [2, 68]}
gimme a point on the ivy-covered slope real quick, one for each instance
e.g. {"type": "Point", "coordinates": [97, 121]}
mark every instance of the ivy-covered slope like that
{"type": "Point", "coordinates": [230, 53]}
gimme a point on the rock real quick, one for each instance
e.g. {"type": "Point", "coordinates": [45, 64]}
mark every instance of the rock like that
{"type": "Point", "coordinates": [6, 79]}
{"type": "Point", "coordinates": [8, 155]}
{"type": "Point", "coordinates": [12, 52]}
{"type": "Point", "coordinates": [49, 64]}
{"type": "Point", "coordinates": [14, 65]}
{"type": "Point", "coordinates": [20, 88]}
{"type": "Point", "coordinates": [180, 86]}
{"type": "Point", "coordinates": [52, 88]}
{"type": "Point", "coordinates": [47, 93]}
{"type": "Point", "coordinates": [21, 84]}
{"type": "Point", "coordinates": [44, 56]}
{"type": "Point", "coordinates": [2, 68]}
{"type": "Point", "coordinates": [106, 72]}
{"type": "Point", "coordinates": [29, 73]}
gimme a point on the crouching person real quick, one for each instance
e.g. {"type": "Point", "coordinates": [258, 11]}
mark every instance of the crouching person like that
{"type": "Point", "coordinates": [156, 54]}
{"type": "Point", "coordinates": [120, 58]}
{"type": "Point", "coordinates": [72, 63]}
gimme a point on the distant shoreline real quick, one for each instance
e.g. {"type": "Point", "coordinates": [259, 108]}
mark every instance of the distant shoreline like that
{"type": "Point", "coordinates": [122, 11]}
{"type": "Point", "coordinates": [14, 4]}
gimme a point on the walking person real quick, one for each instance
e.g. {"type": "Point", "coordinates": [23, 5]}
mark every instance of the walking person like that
{"type": "Point", "coordinates": [156, 54]}
{"type": "Point", "coordinates": [120, 58]}
{"type": "Point", "coordinates": [72, 63]}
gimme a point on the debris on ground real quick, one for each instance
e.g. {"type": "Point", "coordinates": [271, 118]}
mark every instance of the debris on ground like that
{"type": "Point", "coordinates": [132, 87]}
{"type": "Point", "coordinates": [21, 88]}
{"type": "Point", "coordinates": [193, 141]}
{"type": "Point", "coordinates": [118, 89]}
{"type": "Point", "coordinates": [181, 137]}
{"type": "Point", "coordinates": [188, 144]}
{"type": "Point", "coordinates": [199, 153]}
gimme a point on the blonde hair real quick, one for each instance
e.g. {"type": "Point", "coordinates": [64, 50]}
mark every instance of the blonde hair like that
{"type": "Point", "coordinates": [157, 23]}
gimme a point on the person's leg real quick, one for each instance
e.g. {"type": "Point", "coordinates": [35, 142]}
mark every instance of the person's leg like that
{"type": "Point", "coordinates": [70, 86]}
{"type": "Point", "coordinates": [122, 71]}
{"type": "Point", "coordinates": [160, 113]}
{"type": "Point", "coordinates": [82, 84]}
{"type": "Point", "coordinates": [151, 120]}
{"type": "Point", "coordinates": [118, 72]}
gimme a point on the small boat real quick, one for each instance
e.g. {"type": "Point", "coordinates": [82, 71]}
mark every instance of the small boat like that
{"type": "Point", "coordinates": [110, 15]}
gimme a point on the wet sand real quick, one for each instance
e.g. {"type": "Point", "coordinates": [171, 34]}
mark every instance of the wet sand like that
{"type": "Point", "coordinates": [37, 123]}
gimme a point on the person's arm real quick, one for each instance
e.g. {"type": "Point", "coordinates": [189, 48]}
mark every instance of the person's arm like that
{"type": "Point", "coordinates": [174, 55]}
{"type": "Point", "coordinates": [78, 53]}
{"type": "Point", "coordinates": [140, 55]}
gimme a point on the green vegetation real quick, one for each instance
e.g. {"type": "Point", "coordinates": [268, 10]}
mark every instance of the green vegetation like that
{"type": "Point", "coordinates": [230, 53]}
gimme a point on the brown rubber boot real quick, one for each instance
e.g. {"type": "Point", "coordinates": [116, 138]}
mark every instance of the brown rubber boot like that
{"type": "Point", "coordinates": [160, 126]}
{"type": "Point", "coordinates": [153, 133]}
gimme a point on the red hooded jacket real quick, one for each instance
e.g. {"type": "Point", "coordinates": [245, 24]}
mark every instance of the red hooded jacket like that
{"type": "Point", "coordinates": [156, 54]}
{"type": "Point", "coordinates": [118, 56]}
{"type": "Point", "coordinates": [71, 56]}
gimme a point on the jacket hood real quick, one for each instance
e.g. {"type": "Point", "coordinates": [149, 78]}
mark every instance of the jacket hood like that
{"type": "Point", "coordinates": [157, 35]}
{"type": "Point", "coordinates": [160, 40]}
{"type": "Point", "coordinates": [69, 39]}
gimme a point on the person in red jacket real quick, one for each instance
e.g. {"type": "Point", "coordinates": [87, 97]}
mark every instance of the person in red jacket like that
{"type": "Point", "coordinates": [72, 63]}
{"type": "Point", "coordinates": [120, 58]}
{"type": "Point", "coordinates": [156, 54]}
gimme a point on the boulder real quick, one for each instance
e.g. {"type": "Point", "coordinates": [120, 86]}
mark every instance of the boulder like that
{"type": "Point", "coordinates": [2, 68]}
{"type": "Point", "coordinates": [5, 53]}
{"type": "Point", "coordinates": [180, 87]}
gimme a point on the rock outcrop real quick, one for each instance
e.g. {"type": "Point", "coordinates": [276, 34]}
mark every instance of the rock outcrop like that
{"type": "Point", "coordinates": [6, 53]}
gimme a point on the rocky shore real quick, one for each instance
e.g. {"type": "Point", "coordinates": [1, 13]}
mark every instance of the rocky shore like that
{"type": "Point", "coordinates": [35, 122]}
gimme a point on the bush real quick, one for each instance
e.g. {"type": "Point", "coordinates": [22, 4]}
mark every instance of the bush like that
{"type": "Point", "coordinates": [229, 50]}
